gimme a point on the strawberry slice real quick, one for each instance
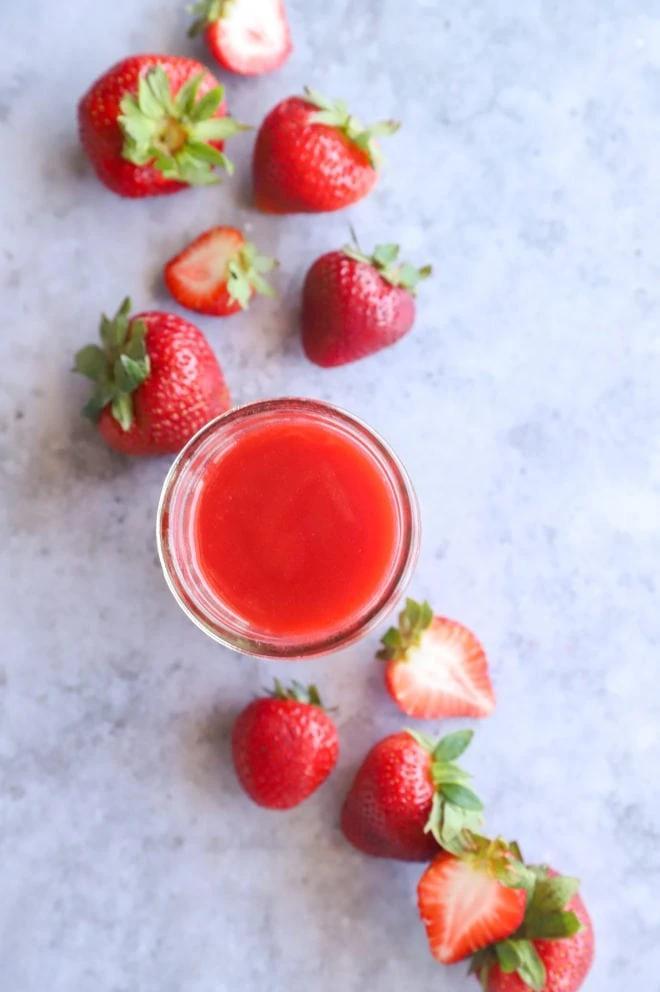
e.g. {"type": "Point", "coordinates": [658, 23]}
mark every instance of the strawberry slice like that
{"type": "Point", "coordinates": [464, 901]}
{"type": "Point", "coordinates": [245, 36]}
{"type": "Point", "coordinates": [218, 273]}
{"type": "Point", "coordinates": [435, 667]}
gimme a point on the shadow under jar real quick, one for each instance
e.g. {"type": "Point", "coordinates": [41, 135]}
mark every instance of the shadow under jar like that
{"type": "Point", "coordinates": [287, 528]}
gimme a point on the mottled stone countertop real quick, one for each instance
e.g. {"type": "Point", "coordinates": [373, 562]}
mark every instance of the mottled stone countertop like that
{"type": "Point", "coordinates": [526, 406]}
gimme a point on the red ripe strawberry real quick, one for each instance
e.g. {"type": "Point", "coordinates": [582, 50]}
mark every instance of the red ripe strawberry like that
{"type": "Point", "coordinates": [284, 746]}
{"type": "Point", "coordinates": [312, 155]}
{"type": "Point", "coordinates": [218, 273]}
{"type": "Point", "coordinates": [245, 36]}
{"type": "Point", "coordinates": [552, 950]}
{"type": "Point", "coordinates": [155, 124]}
{"type": "Point", "coordinates": [355, 305]}
{"type": "Point", "coordinates": [435, 668]}
{"type": "Point", "coordinates": [471, 901]}
{"type": "Point", "coordinates": [157, 382]}
{"type": "Point", "coordinates": [408, 797]}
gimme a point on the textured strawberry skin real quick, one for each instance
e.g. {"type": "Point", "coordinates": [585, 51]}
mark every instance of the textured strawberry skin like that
{"type": "Point", "coordinates": [283, 751]}
{"type": "Point", "coordinates": [101, 135]}
{"type": "Point", "coordinates": [302, 167]}
{"type": "Point", "coordinates": [217, 41]}
{"type": "Point", "coordinates": [349, 311]}
{"type": "Point", "coordinates": [567, 961]}
{"type": "Point", "coordinates": [184, 390]}
{"type": "Point", "coordinates": [390, 801]}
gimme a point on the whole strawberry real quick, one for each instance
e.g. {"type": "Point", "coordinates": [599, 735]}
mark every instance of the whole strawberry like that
{"type": "Point", "coordinates": [245, 36]}
{"type": "Point", "coordinates": [218, 273]}
{"type": "Point", "coordinates": [436, 668]}
{"type": "Point", "coordinates": [408, 798]}
{"type": "Point", "coordinates": [354, 305]}
{"type": "Point", "coordinates": [312, 156]}
{"type": "Point", "coordinates": [553, 948]}
{"type": "Point", "coordinates": [156, 382]}
{"type": "Point", "coordinates": [284, 746]}
{"type": "Point", "coordinates": [471, 901]}
{"type": "Point", "coordinates": [154, 124]}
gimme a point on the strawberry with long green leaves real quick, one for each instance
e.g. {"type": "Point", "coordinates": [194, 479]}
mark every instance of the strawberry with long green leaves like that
{"type": "Point", "coordinates": [219, 273]}
{"type": "Point", "coordinates": [249, 37]}
{"type": "Point", "coordinates": [355, 304]}
{"type": "Point", "coordinates": [155, 124]}
{"type": "Point", "coordinates": [553, 947]}
{"type": "Point", "coordinates": [312, 156]}
{"type": "Point", "coordinates": [409, 798]}
{"type": "Point", "coordinates": [155, 379]}
{"type": "Point", "coordinates": [469, 902]}
{"type": "Point", "coordinates": [435, 667]}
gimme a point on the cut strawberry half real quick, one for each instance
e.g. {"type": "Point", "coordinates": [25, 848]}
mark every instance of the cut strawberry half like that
{"type": "Point", "coordinates": [436, 667]}
{"type": "Point", "coordinates": [218, 273]}
{"type": "Point", "coordinates": [464, 901]}
{"type": "Point", "coordinates": [245, 36]}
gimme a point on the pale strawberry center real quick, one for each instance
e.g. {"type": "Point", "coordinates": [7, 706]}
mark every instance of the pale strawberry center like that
{"type": "Point", "coordinates": [256, 27]}
{"type": "Point", "coordinates": [442, 666]}
{"type": "Point", "coordinates": [206, 267]}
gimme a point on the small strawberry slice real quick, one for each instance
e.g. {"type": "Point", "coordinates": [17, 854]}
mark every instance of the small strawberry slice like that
{"type": "Point", "coordinates": [435, 667]}
{"type": "Point", "coordinates": [218, 273]}
{"type": "Point", "coordinates": [464, 900]}
{"type": "Point", "coordinates": [245, 36]}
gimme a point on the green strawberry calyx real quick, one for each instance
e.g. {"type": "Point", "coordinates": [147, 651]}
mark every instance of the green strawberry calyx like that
{"type": "Point", "coordinates": [546, 918]}
{"type": "Point", "coordinates": [297, 693]}
{"type": "Point", "coordinates": [246, 275]}
{"type": "Point", "coordinates": [207, 12]}
{"type": "Point", "coordinates": [175, 134]}
{"type": "Point", "coordinates": [335, 113]}
{"type": "Point", "coordinates": [117, 368]}
{"type": "Point", "coordinates": [456, 811]}
{"type": "Point", "coordinates": [385, 260]}
{"type": "Point", "coordinates": [415, 618]}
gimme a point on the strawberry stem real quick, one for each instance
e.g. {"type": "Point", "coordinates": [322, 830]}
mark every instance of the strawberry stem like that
{"type": "Point", "coordinates": [117, 368]}
{"type": "Point", "coordinates": [176, 134]}
{"type": "Point", "coordinates": [335, 113]}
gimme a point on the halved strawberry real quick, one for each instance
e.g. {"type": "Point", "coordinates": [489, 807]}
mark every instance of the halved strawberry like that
{"type": "Point", "coordinates": [245, 36]}
{"type": "Point", "coordinates": [464, 900]}
{"type": "Point", "coordinates": [218, 273]}
{"type": "Point", "coordinates": [435, 667]}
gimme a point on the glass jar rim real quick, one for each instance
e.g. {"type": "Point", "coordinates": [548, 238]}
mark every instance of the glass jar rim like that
{"type": "Point", "coordinates": [259, 644]}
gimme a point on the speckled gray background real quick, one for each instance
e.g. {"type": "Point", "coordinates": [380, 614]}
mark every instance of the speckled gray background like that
{"type": "Point", "coordinates": [526, 405]}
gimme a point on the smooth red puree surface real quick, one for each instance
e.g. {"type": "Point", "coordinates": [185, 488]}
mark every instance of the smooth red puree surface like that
{"type": "Point", "coordinates": [295, 528]}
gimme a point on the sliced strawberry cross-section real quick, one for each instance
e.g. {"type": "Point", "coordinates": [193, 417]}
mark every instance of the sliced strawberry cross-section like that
{"type": "Point", "coordinates": [218, 273]}
{"type": "Point", "coordinates": [249, 37]}
{"type": "Point", "coordinates": [436, 667]}
{"type": "Point", "coordinates": [464, 901]}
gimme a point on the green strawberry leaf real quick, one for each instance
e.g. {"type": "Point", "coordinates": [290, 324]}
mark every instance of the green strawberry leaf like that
{"type": "Point", "coordinates": [507, 955]}
{"type": "Point", "coordinates": [414, 619]}
{"type": "Point", "coordinates": [554, 893]}
{"type": "Point", "coordinates": [206, 107]}
{"type": "Point", "coordinates": [122, 411]}
{"type": "Point", "coordinates": [90, 361]}
{"type": "Point", "coordinates": [445, 774]}
{"type": "Point", "coordinates": [530, 967]}
{"type": "Point", "coordinates": [453, 745]}
{"type": "Point", "coordinates": [173, 133]}
{"type": "Point", "coordinates": [386, 254]}
{"type": "Point", "coordinates": [129, 374]}
{"type": "Point", "coordinates": [460, 795]}
{"type": "Point", "coordinates": [554, 925]}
